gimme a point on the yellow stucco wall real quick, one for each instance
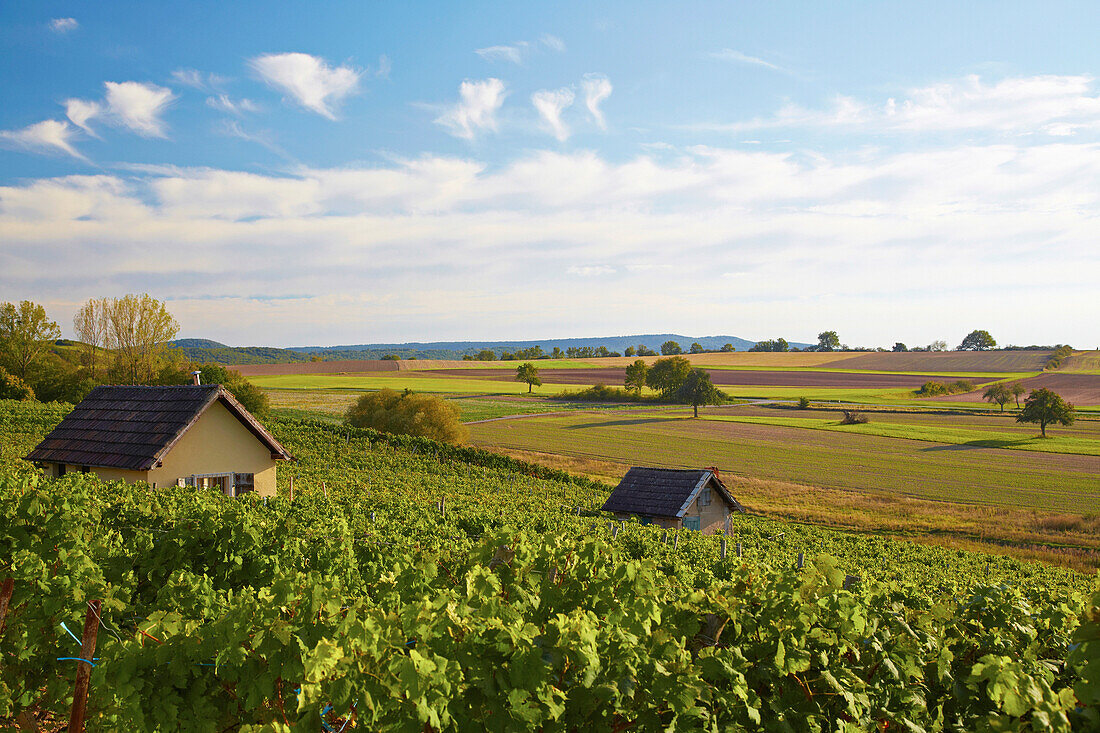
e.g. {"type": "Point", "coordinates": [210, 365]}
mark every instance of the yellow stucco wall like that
{"type": "Point", "coordinates": [218, 443]}
{"type": "Point", "coordinates": [107, 474]}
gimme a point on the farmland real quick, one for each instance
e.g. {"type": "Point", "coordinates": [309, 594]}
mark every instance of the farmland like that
{"type": "Point", "coordinates": [364, 606]}
{"type": "Point", "coordinates": [817, 457]}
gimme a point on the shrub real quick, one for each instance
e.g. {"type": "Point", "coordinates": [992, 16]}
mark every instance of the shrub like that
{"type": "Point", "coordinates": [852, 417]}
{"type": "Point", "coordinates": [933, 388]}
{"type": "Point", "coordinates": [406, 413]}
{"type": "Point", "coordinates": [14, 388]}
{"type": "Point", "coordinates": [600, 393]}
{"type": "Point", "coordinates": [803, 403]}
{"type": "Point", "coordinates": [1058, 356]}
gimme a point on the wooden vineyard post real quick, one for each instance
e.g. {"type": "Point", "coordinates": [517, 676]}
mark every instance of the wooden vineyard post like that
{"type": "Point", "coordinates": [664, 538]}
{"type": "Point", "coordinates": [443, 506]}
{"type": "Point", "coordinates": [292, 488]}
{"type": "Point", "coordinates": [738, 549]}
{"type": "Point", "coordinates": [5, 599]}
{"type": "Point", "coordinates": [676, 541]}
{"type": "Point", "coordinates": [801, 560]}
{"type": "Point", "coordinates": [614, 531]}
{"type": "Point", "coordinates": [723, 545]}
{"type": "Point", "coordinates": [324, 488]}
{"type": "Point", "coordinates": [372, 517]}
{"type": "Point", "coordinates": [84, 669]}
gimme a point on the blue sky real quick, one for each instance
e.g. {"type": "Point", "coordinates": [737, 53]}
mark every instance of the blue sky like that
{"type": "Point", "coordinates": [356, 172]}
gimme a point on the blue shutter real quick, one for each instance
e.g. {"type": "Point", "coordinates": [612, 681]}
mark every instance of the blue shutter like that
{"type": "Point", "coordinates": [691, 523]}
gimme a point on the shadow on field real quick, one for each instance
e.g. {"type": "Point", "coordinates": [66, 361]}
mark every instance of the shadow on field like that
{"type": "Point", "coordinates": [972, 444]}
{"type": "Point", "coordinates": [618, 423]}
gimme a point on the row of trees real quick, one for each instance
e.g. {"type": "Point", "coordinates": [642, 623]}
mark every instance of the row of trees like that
{"type": "Point", "coordinates": [120, 341]}
{"type": "Point", "coordinates": [676, 381]}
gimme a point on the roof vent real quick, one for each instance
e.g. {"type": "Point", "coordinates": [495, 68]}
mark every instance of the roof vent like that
{"type": "Point", "coordinates": [196, 378]}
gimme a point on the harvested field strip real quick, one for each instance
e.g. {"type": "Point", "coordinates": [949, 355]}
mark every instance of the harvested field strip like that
{"type": "Point", "coordinates": [417, 381]}
{"type": "Point", "coordinates": [1022, 439]}
{"type": "Point", "coordinates": [1046, 481]}
{"type": "Point", "coordinates": [1080, 389]}
{"type": "Point", "coordinates": [949, 361]}
{"type": "Point", "coordinates": [1082, 361]}
{"type": "Point", "coordinates": [720, 377]}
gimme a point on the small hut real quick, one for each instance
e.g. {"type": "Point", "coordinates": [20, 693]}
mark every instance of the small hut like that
{"type": "Point", "coordinates": [194, 435]}
{"type": "Point", "coordinates": [675, 499]}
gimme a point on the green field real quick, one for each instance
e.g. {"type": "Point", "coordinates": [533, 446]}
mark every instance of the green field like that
{"type": "Point", "coordinates": [859, 462]}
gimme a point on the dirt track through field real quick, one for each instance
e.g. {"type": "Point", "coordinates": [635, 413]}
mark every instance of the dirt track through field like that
{"type": "Point", "coordinates": [720, 377]}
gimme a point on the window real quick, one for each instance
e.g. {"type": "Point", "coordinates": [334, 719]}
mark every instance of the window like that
{"type": "Point", "coordinates": [691, 523]}
{"type": "Point", "coordinates": [61, 469]}
{"type": "Point", "coordinates": [243, 483]}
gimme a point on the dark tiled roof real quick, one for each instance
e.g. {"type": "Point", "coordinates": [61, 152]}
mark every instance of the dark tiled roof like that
{"type": "Point", "coordinates": [133, 427]}
{"type": "Point", "coordinates": [662, 492]}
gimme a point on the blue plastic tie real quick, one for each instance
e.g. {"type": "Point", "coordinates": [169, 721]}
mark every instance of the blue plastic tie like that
{"type": "Point", "coordinates": [78, 641]}
{"type": "Point", "coordinates": [75, 659]}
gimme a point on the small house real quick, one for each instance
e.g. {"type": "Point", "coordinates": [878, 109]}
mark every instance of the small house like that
{"type": "Point", "coordinates": [193, 435]}
{"type": "Point", "coordinates": [675, 499]}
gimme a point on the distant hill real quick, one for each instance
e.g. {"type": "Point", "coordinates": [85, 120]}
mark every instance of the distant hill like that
{"type": "Point", "coordinates": [206, 350]}
{"type": "Point", "coordinates": [198, 344]}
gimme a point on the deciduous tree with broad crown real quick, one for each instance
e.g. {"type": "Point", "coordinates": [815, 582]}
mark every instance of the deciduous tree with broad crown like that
{"type": "Point", "coordinates": [529, 373]}
{"type": "Point", "coordinates": [1045, 407]}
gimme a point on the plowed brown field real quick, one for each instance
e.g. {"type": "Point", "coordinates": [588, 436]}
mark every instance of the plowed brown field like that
{"type": "Point", "coordinates": [947, 361]}
{"type": "Point", "coordinates": [1080, 389]}
{"type": "Point", "coordinates": [721, 377]}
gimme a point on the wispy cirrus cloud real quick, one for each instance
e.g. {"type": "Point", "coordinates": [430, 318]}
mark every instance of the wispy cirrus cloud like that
{"type": "Point", "coordinates": [476, 108]}
{"type": "Point", "coordinates": [597, 88]}
{"type": "Point", "coordinates": [729, 54]}
{"type": "Point", "coordinates": [308, 80]}
{"type": "Point", "coordinates": [63, 25]}
{"type": "Point", "coordinates": [1046, 105]}
{"type": "Point", "coordinates": [517, 52]}
{"type": "Point", "coordinates": [550, 103]}
{"type": "Point", "coordinates": [225, 103]}
{"type": "Point", "coordinates": [203, 81]}
{"type": "Point", "coordinates": [81, 111]}
{"type": "Point", "coordinates": [47, 136]}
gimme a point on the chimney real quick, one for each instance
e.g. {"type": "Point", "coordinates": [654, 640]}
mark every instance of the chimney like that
{"type": "Point", "coordinates": [196, 378]}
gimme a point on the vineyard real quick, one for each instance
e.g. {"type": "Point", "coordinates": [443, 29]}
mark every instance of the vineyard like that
{"type": "Point", "coordinates": [415, 586]}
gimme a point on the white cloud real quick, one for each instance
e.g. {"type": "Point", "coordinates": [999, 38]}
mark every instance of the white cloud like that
{"type": "Point", "coordinates": [1046, 105]}
{"type": "Point", "coordinates": [308, 80]}
{"type": "Point", "coordinates": [729, 54]}
{"type": "Point", "coordinates": [553, 43]}
{"type": "Point", "coordinates": [512, 53]}
{"type": "Point", "coordinates": [224, 103]}
{"type": "Point", "coordinates": [590, 270]}
{"type": "Point", "coordinates": [476, 109]}
{"type": "Point", "coordinates": [384, 67]}
{"type": "Point", "coordinates": [81, 111]}
{"type": "Point", "coordinates": [550, 104]}
{"type": "Point", "coordinates": [47, 136]}
{"type": "Point", "coordinates": [424, 248]}
{"type": "Point", "coordinates": [597, 88]}
{"type": "Point", "coordinates": [63, 25]}
{"type": "Point", "coordinates": [204, 82]}
{"type": "Point", "coordinates": [138, 106]}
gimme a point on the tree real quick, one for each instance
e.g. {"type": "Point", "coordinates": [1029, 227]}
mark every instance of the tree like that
{"type": "Point", "coordinates": [977, 341]}
{"type": "Point", "coordinates": [899, 346]}
{"type": "Point", "coordinates": [666, 375]}
{"type": "Point", "coordinates": [91, 326]}
{"type": "Point", "coordinates": [636, 376]}
{"type": "Point", "coordinates": [671, 348]}
{"type": "Point", "coordinates": [26, 334]}
{"type": "Point", "coordinates": [14, 388]}
{"type": "Point", "coordinates": [998, 393]}
{"type": "Point", "coordinates": [529, 373]}
{"type": "Point", "coordinates": [408, 414]}
{"type": "Point", "coordinates": [727, 348]}
{"type": "Point", "coordinates": [254, 399]}
{"type": "Point", "coordinates": [486, 355]}
{"type": "Point", "coordinates": [1017, 389]}
{"type": "Point", "coordinates": [771, 345]}
{"type": "Point", "coordinates": [630, 351]}
{"type": "Point", "coordinates": [938, 345]}
{"type": "Point", "coordinates": [140, 328]}
{"type": "Point", "coordinates": [696, 348]}
{"type": "Point", "coordinates": [557, 353]}
{"type": "Point", "coordinates": [1045, 407]}
{"type": "Point", "coordinates": [696, 389]}
{"type": "Point", "coordinates": [644, 350]}
{"type": "Point", "coordinates": [828, 341]}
